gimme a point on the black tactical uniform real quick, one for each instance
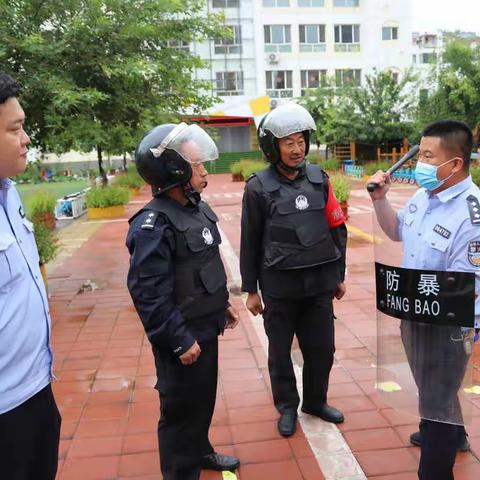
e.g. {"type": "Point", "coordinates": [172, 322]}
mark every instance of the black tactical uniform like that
{"type": "Point", "coordinates": [288, 247]}
{"type": "Point", "coordinates": [178, 286]}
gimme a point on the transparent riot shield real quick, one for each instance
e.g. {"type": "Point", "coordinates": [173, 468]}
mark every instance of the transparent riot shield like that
{"type": "Point", "coordinates": [425, 333]}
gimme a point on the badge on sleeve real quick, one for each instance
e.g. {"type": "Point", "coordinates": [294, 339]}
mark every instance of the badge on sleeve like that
{"type": "Point", "coordinates": [474, 208]}
{"type": "Point", "coordinates": [474, 253]}
{"type": "Point", "coordinates": [149, 221]}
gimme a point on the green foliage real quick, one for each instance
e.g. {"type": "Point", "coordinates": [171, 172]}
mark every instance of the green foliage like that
{"type": "Point", "coordinates": [331, 164]}
{"type": "Point", "coordinates": [130, 179]}
{"type": "Point", "coordinates": [341, 187]}
{"type": "Point", "coordinates": [39, 203]}
{"type": "Point", "coordinates": [247, 167]}
{"type": "Point", "coordinates": [475, 173]}
{"type": "Point", "coordinates": [32, 173]}
{"type": "Point", "coordinates": [454, 88]}
{"type": "Point", "coordinates": [373, 167]}
{"type": "Point", "coordinates": [376, 112]}
{"type": "Point", "coordinates": [47, 242]}
{"type": "Point", "coordinates": [97, 74]}
{"type": "Point", "coordinates": [110, 196]}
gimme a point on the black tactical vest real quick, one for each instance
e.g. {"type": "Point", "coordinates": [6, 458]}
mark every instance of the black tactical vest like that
{"type": "Point", "coordinates": [296, 233]}
{"type": "Point", "coordinates": [200, 279]}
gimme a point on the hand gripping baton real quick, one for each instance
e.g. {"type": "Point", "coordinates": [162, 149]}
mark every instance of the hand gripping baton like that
{"type": "Point", "coordinates": [410, 154]}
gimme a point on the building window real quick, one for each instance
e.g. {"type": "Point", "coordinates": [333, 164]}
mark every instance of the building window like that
{"type": "Point", "coordinates": [276, 3]}
{"type": "Point", "coordinates": [179, 45]}
{"type": "Point", "coordinates": [311, 3]}
{"type": "Point", "coordinates": [346, 3]}
{"type": "Point", "coordinates": [232, 44]}
{"type": "Point", "coordinates": [312, 38]}
{"type": "Point", "coordinates": [414, 58]}
{"type": "Point", "coordinates": [225, 3]}
{"type": "Point", "coordinates": [390, 33]}
{"type": "Point", "coordinates": [348, 77]}
{"type": "Point", "coordinates": [428, 57]}
{"type": "Point", "coordinates": [279, 83]}
{"type": "Point", "coordinates": [277, 38]}
{"type": "Point", "coordinates": [229, 83]}
{"type": "Point", "coordinates": [312, 79]}
{"type": "Point", "coordinates": [347, 38]}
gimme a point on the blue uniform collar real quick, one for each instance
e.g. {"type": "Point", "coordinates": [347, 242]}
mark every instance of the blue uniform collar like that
{"type": "Point", "coordinates": [6, 183]}
{"type": "Point", "coordinates": [446, 195]}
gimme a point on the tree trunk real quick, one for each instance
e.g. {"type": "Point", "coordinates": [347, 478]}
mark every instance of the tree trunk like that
{"type": "Point", "coordinates": [100, 166]}
{"type": "Point", "coordinates": [125, 168]}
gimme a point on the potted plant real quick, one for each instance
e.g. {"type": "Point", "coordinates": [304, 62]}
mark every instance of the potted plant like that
{"type": "Point", "coordinates": [331, 165]}
{"type": "Point", "coordinates": [47, 245]}
{"type": "Point", "coordinates": [341, 188]}
{"type": "Point", "coordinates": [252, 166]}
{"type": "Point", "coordinates": [131, 180]}
{"type": "Point", "coordinates": [236, 169]}
{"type": "Point", "coordinates": [107, 202]}
{"type": "Point", "coordinates": [41, 208]}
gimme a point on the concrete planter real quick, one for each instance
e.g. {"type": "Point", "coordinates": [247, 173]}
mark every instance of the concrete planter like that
{"type": "Point", "coordinates": [43, 271]}
{"type": "Point", "coordinates": [107, 212]}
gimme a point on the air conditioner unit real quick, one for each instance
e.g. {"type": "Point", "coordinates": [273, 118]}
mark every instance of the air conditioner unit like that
{"type": "Point", "coordinates": [273, 58]}
{"type": "Point", "coordinates": [273, 103]}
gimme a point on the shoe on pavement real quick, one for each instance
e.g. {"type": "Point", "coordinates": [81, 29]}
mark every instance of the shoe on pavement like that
{"type": "Point", "coordinates": [463, 445]}
{"type": "Point", "coordinates": [326, 413]}
{"type": "Point", "coordinates": [287, 424]}
{"type": "Point", "coordinates": [217, 461]}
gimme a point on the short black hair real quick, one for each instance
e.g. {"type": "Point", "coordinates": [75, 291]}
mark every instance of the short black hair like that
{"type": "Point", "coordinates": [9, 87]}
{"type": "Point", "coordinates": [454, 135]}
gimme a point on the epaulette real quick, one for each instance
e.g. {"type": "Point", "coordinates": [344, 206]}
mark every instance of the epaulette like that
{"type": "Point", "coordinates": [474, 208]}
{"type": "Point", "coordinates": [149, 220]}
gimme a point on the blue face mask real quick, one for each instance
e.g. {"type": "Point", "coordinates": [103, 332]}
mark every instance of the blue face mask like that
{"type": "Point", "coordinates": [426, 175]}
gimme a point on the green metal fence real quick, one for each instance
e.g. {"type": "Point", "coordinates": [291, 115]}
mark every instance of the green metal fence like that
{"type": "Point", "coordinates": [222, 165]}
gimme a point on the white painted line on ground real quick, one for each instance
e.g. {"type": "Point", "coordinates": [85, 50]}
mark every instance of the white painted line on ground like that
{"type": "Point", "coordinates": [331, 451]}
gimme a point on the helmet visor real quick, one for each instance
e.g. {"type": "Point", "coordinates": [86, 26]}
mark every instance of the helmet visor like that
{"type": "Point", "coordinates": [194, 145]}
{"type": "Point", "coordinates": [287, 119]}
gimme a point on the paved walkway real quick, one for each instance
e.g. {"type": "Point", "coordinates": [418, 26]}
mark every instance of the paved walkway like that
{"type": "Point", "coordinates": [106, 375]}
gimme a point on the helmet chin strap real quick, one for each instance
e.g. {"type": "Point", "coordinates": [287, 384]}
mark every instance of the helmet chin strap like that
{"type": "Point", "coordinates": [192, 195]}
{"type": "Point", "coordinates": [288, 169]}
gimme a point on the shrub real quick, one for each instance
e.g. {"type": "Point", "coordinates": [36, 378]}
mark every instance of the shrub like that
{"type": "Point", "coordinates": [130, 179]}
{"type": "Point", "coordinates": [341, 187]}
{"type": "Point", "coordinates": [475, 173]}
{"type": "Point", "coordinates": [40, 203]}
{"type": "Point", "coordinates": [110, 196]}
{"type": "Point", "coordinates": [332, 164]}
{"type": "Point", "coordinates": [251, 167]}
{"type": "Point", "coordinates": [47, 242]}
{"type": "Point", "coordinates": [236, 168]}
{"type": "Point", "coordinates": [373, 167]}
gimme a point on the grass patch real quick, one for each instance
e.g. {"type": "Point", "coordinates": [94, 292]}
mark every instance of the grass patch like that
{"type": "Point", "coordinates": [58, 190]}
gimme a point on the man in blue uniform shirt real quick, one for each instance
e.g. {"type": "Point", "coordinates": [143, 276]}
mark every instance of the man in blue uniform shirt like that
{"type": "Point", "coordinates": [29, 418]}
{"type": "Point", "coordinates": [178, 285]}
{"type": "Point", "coordinates": [440, 230]}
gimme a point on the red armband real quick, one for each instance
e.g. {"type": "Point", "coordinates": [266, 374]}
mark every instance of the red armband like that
{"type": "Point", "coordinates": [333, 211]}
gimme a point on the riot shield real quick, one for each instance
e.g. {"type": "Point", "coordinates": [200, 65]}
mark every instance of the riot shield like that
{"type": "Point", "coordinates": [425, 321]}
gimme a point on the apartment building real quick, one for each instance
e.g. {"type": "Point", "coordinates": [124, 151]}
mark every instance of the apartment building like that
{"type": "Point", "coordinates": [283, 47]}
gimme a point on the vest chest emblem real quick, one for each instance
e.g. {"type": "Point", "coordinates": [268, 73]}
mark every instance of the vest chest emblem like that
{"type": "Point", "coordinates": [301, 202]}
{"type": "Point", "coordinates": [207, 236]}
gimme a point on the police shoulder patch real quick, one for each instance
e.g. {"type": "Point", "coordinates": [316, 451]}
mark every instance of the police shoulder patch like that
{"type": "Point", "coordinates": [474, 253]}
{"type": "Point", "coordinates": [474, 209]}
{"type": "Point", "coordinates": [149, 220]}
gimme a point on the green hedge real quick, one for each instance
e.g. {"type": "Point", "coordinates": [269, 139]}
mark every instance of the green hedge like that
{"type": "Point", "coordinates": [39, 203]}
{"type": "Point", "coordinates": [475, 173]}
{"type": "Point", "coordinates": [341, 187]}
{"type": "Point", "coordinates": [102, 197]}
{"type": "Point", "coordinates": [130, 179]}
{"type": "Point", "coordinates": [332, 164]}
{"type": "Point", "coordinates": [372, 168]}
{"type": "Point", "coordinates": [247, 167]}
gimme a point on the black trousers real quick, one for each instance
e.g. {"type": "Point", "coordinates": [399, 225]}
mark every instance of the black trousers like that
{"type": "Point", "coordinates": [29, 438]}
{"type": "Point", "coordinates": [187, 400]}
{"type": "Point", "coordinates": [438, 361]}
{"type": "Point", "coordinates": [311, 320]}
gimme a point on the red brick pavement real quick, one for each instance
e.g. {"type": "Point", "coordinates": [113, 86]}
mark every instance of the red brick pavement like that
{"type": "Point", "coordinates": [106, 374]}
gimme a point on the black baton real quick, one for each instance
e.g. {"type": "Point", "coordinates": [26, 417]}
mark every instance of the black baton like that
{"type": "Point", "coordinates": [372, 186]}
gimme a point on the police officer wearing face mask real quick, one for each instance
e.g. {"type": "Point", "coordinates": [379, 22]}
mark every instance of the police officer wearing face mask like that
{"type": "Point", "coordinates": [445, 209]}
{"type": "Point", "coordinates": [293, 245]}
{"type": "Point", "coordinates": [178, 286]}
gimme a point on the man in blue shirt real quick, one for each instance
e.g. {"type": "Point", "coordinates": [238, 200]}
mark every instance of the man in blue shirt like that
{"type": "Point", "coordinates": [440, 230]}
{"type": "Point", "coordinates": [29, 418]}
